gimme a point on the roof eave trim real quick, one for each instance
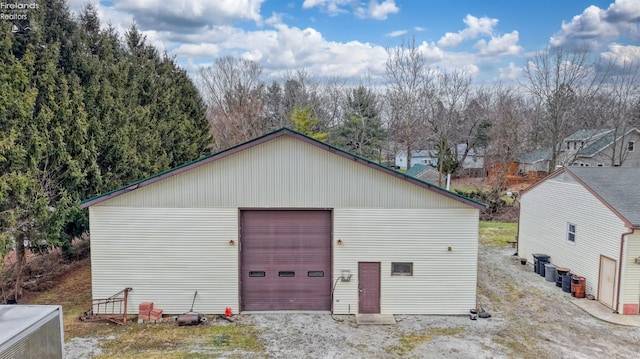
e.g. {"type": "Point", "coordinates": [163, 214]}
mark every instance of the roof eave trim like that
{"type": "Point", "coordinates": [267, 137]}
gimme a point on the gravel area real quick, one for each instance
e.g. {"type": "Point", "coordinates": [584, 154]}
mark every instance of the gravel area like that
{"type": "Point", "coordinates": [530, 318]}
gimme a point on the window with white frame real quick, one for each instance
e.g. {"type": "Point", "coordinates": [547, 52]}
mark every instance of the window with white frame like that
{"type": "Point", "coordinates": [631, 146]}
{"type": "Point", "coordinates": [571, 233]}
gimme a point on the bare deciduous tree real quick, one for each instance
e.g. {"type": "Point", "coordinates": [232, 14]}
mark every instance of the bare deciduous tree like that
{"type": "Point", "coordinates": [233, 92]}
{"type": "Point", "coordinates": [559, 80]}
{"type": "Point", "coordinates": [409, 87]}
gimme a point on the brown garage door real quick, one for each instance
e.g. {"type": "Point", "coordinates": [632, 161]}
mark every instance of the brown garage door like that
{"type": "Point", "coordinates": [286, 260]}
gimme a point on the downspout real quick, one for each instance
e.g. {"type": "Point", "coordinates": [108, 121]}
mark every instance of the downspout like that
{"type": "Point", "coordinates": [620, 268]}
{"type": "Point", "coordinates": [516, 200]}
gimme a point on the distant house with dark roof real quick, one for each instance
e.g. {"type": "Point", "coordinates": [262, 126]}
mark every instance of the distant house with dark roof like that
{"type": "Point", "coordinates": [588, 148]}
{"type": "Point", "coordinates": [426, 173]}
{"type": "Point", "coordinates": [601, 148]}
{"type": "Point", "coordinates": [588, 220]}
{"type": "Point", "coordinates": [535, 161]}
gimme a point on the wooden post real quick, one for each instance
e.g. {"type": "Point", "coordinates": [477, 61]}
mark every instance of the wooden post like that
{"type": "Point", "coordinates": [126, 299]}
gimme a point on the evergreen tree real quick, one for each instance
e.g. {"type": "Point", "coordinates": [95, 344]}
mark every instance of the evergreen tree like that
{"type": "Point", "coordinates": [361, 131]}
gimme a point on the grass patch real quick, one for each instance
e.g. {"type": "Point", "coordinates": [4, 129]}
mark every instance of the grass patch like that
{"type": "Point", "coordinates": [167, 340]}
{"type": "Point", "coordinates": [73, 293]}
{"type": "Point", "coordinates": [163, 340]}
{"type": "Point", "coordinates": [409, 342]}
{"type": "Point", "coordinates": [497, 234]}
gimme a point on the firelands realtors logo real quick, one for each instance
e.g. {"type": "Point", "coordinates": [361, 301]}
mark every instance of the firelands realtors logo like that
{"type": "Point", "coordinates": [14, 11]}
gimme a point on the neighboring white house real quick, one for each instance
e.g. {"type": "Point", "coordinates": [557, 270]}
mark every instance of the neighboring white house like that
{"type": "Point", "coordinates": [423, 157]}
{"type": "Point", "coordinates": [587, 219]}
{"type": "Point", "coordinates": [474, 159]}
{"type": "Point", "coordinates": [285, 222]}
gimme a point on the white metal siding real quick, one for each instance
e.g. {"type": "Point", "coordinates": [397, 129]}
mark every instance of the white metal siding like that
{"type": "Point", "coordinates": [443, 282]}
{"type": "Point", "coordinates": [165, 255]}
{"type": "Point", "coordinates": [630, 293]}
{"type": "Point", "coordinates": [544, 214]}
{"type": "Point", "coordinates": [284, 172]}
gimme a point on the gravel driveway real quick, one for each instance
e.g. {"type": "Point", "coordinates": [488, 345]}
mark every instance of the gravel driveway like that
{"type": "Point", "coordinates": [530, 318]}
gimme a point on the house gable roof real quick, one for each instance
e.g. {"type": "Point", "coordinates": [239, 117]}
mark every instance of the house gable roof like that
{"type": "Point", "coordinates": [618, 188]}
{"type": "Point", "coordinates": [605, 141]}
{"type": "Point", "coordinates": [265, 138]}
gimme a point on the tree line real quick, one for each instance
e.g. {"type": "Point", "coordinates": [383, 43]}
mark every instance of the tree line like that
{"type": "Point", "coordinates": [417, 107]}
{"type": "Point", "coordinates": [83, 110]}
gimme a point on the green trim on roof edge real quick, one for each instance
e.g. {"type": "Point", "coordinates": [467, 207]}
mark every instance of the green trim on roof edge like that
{"type": "Point", "coordinates": [284, 130]}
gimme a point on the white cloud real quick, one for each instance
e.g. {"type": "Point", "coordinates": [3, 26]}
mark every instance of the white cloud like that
{"type": "Point", "coordinates": [596, 27]}
{"type": "Point", "coordinates": [511, 72]}
{"type": "Point", "coordinates": [396, 33]}
{"type": "Point", "coordinates": [285, 48]}
{"type": "Point", "coordinates": [377, 11]}
{"type": "Point", "coordinates": [475, 27]}
{"type": "Point", "coordinates": [370, 10]}
{"type": "Point", "coordinates": [500, 46]}
{"type": "Point", "coordinates": [184, 15]}
{"type": "Point", "coordinates": [622, 55]}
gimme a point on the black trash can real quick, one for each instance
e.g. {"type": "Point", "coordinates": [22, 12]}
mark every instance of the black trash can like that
{"type": "Point", "coordinates": [539, 260]}
{"type": "Point", "coordinates": [560, 271]}
{"type": "Point", "coordinates": [566, 282]}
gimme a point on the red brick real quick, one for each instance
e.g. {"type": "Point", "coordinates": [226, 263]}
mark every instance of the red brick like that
{"type": "Point", "coordinates": [145, 307]}
{"type": "Point", "coordinates": [143, 317]}
{"type": "Point", "coordinates": [155, 314]}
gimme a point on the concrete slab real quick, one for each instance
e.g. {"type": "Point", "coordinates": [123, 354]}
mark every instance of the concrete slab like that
{"type": "Point", "coordinates": [375, 319]}
{"type": "Point", "coordinates": [604, 313]}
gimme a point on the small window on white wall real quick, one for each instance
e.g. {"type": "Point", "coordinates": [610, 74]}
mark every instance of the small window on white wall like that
{"type": "Point", "coordinates": [571, 233]}
{"type": "Point", "coordinates": [404, 268]}
{"type": "Point", "coordinates": [631, 146]}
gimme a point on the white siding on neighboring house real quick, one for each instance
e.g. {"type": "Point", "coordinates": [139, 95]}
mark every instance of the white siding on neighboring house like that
{"type": "Point", "coordinates": [165, 255]}
{"type": "Point", "coordinates": [545, 211]}
{"type": "Point", "coordinates": [631, 271]}
{"type": "Point", "coordinates": [443, 282]}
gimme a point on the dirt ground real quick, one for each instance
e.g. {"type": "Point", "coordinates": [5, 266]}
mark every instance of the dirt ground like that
{"type": "Point", "coordinates": [530, 318]}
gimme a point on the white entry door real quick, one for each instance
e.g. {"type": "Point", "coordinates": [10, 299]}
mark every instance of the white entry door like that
{"type": "Point", "coordinates": [607, 281]}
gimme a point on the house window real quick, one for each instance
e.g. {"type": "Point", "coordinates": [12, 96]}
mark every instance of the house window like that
{"type": "Point", "coordinates": [402, 268]}
{"type": "Point", "coordinates": [575, 145]}
{"type": "Point", "coordinates": [568, 145]}
{"type": "Point", "coordinates": [571, 233]}
{"type": "Point", "coordinates": [631, 146]}
{"type": "Point", "coordinates": [600, 165]}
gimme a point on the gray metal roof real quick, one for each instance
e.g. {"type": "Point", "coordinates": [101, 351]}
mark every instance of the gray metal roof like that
{"type": "Point", "coordinates": [585, 135]}
{"type": "Point", "coordinates": [619, 187]}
